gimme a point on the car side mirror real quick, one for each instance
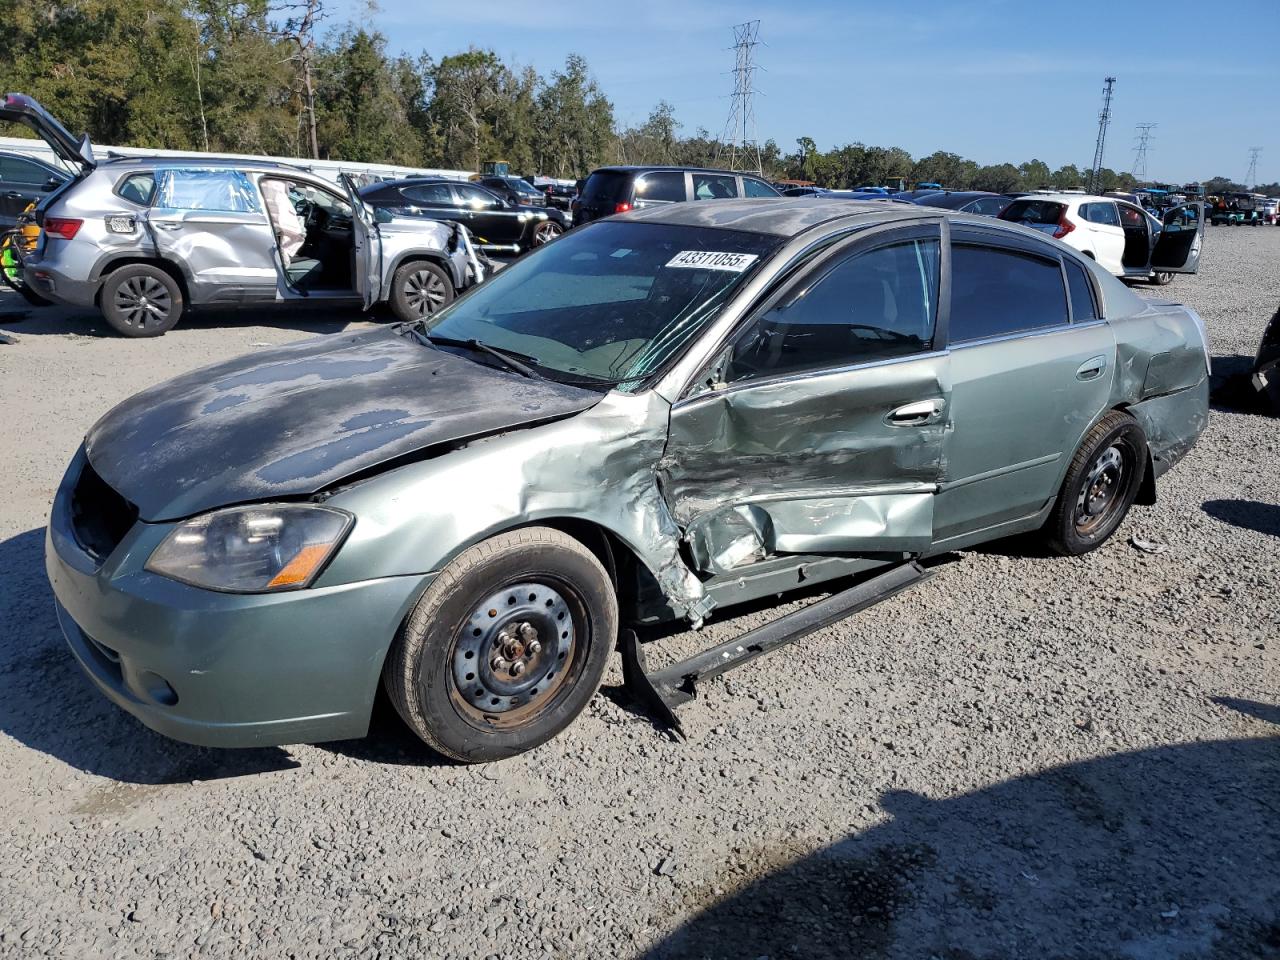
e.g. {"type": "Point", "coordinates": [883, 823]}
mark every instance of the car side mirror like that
{"type": "Point", "coordinates": [51, 184]}
{"type": "Point", "coordinates": [382, 215]}
{"type": "Point", "coordinates": [512, 202]}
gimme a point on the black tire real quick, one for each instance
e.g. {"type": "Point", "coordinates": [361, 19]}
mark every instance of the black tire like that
{"type": "Point", "coordinates": [1161, 279]}
{"type": "Point", "coordinates": [141, 301]}
{"type": "Point", "coordinates": [546, 231]}
{"type": "Point", "coordinates": [419, 289]}
{"type": "Point", "coordinates": [441, 672]}
{"type": "Point", "coordinates": [1102, 482]}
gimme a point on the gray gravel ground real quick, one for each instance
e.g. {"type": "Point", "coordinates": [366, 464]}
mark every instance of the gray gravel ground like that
{"type": "Point", "coordinates": [1025, 757]}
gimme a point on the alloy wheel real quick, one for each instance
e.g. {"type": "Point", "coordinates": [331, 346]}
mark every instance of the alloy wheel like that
{"type": "Point", "coordinates": [425, 292]}
{"type": "Point", "coordinates": [546, 232]}
{"type": "Point", "coordinates": [143, 302]}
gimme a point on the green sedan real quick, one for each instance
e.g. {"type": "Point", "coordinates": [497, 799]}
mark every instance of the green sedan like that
{"type": "Point", "coordinates": [656, 416]}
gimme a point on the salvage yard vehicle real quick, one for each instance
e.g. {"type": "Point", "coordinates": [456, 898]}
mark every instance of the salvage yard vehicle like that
{"type": "Point", "coordinates": [966, 201]}
{"type": "Point", "coordinates": [1123, 237]}
{"type": "Point", "coordinates": [611, 190]}
{"type": "Point", "coordinates": [143, 239]}
{"type": "Point", "coordinates": [24, 181]}
{"type": "Point", "coordinates": [497, 224]}
{"type": "Point", "coordinates": [658, 416]}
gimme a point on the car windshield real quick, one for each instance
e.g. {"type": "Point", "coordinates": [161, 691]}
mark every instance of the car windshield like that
{"type": "Point", "coordinates": [608, 303]}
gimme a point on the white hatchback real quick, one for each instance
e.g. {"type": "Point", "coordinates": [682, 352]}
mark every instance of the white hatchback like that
{"type": "Point", "coordinates": [1124, 238]}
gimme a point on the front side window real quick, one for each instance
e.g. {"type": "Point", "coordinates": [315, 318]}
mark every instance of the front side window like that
{"type": "Point", "coordinates": [668, 186]}
{"type": "Point", "coordinates": [1132, 217]}
{"type": "Point", "coordinates": [873, 305]}
{"type": "Point", "coordinates": [193, 189]}
{"type": "Point", "coordinates": [714, 186]}
{"type": "Point", "coordinates": [435, 194]}
{"type": "Point", "coordinates": [610, 302]}
{"type": "Point", "coordinates": [17, 170]}
{"type": "Point", "coordinates": [757, 188]}
{"type": "Point", "coordinates": [995, 292]}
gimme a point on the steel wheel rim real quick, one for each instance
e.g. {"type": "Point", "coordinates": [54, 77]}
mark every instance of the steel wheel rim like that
{"type": "Point", "coordinates": [546, 232]}
{"type": "Point", "coordinates": [143, 302]}
{"type": "Point", "coordinates": [1102, 493]}
{"type": "Point", "coordinates": [514, 652]}
{"type": "Point", "coordinates": [424, 292]}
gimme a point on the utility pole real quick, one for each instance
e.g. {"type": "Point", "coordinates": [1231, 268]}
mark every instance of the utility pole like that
{"type": "Point", "coordinates": [1251, 178]}
{"type": "Point", "coordinates": [1104, 120]}
{"type": "Point", "coordinates": [1145, 136]}
{"type": "Point", "coordinates": [740, 130]}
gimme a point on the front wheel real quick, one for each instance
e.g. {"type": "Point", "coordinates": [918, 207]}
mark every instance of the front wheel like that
{"type": "Point", "coordinates": [1101, 484]}
{"type": "Point", "coordinates": [506, 647]}
{"type": "Point", "coordinates": [1161, 279]}
{"type": "Point", "coordinates": [419, 289]}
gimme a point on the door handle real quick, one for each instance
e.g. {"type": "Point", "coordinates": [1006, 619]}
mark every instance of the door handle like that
{"type": "Point", "coordinates": [915, 414]}
{"type": "Point", "coordinates": [1091, 369]}
{"type": "Point", "coordinates": [13, 195]}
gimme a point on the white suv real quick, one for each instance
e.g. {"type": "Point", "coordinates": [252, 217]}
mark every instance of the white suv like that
{"type": "Point", "coordinates": [1124, 238]}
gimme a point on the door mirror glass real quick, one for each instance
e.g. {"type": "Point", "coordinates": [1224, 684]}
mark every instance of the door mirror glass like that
{"type": "Point", "coordinates": [382, 215]}
{"type": "Point", "coordinates": [51, 184]}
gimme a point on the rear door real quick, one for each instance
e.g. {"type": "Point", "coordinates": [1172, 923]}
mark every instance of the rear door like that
{"type": "Point", "coordinates": [822, 429]}
{"type": "Point", "coordinates": [366, 245]}
{"type": "Point", "coordinates": [211, 223]}
{"type": "Point", "coordinates": [1178, 248]}
{"type": "Point", "coordinates": [713, 186]}
{"type": "Point", "coordinates": [1106, 235]}
{"type": "Point", "coordinates": [1031, 370]}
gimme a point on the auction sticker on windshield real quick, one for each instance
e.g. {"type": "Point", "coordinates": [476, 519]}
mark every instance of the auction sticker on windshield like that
{"type": "Point", "coordinates": [712, 260]}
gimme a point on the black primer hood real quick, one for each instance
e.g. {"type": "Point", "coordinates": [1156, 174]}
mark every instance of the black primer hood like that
{"type": "Point", "coordinates": [292, 421]}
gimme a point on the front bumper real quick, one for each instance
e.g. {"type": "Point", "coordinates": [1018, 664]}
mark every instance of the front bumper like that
{"type": "Point", "coordinates": [223, 670]}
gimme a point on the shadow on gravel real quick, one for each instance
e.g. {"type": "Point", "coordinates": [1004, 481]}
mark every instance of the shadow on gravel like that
{"type": "Point", "coordinates": [1246, 514]}
{"type": "Point", "coordinates": [1163, 854]}
{"type": "Point", "coordinates": [311, 318]}
{"type": "Point", "coordinates": [47, 704]}
{"type": "Point", "coordinates": [1262, 711]}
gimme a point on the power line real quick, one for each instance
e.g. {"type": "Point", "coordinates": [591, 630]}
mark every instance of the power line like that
{"type": "Point", "coordinates": [1144, 138]}
{"type": "Point", "coordinates": [1104, 120]}
{"type": "Point", "coordinates": [740, 130]}
{"type": "Point", "coordinates": [1251, 178]}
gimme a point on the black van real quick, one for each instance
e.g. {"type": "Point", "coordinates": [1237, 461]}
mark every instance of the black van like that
{"type": "Point", "coordinates": [611, 190]}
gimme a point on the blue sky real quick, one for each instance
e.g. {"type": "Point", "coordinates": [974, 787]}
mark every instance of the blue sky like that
{"type": "Point", "coordinates": [993, 80]}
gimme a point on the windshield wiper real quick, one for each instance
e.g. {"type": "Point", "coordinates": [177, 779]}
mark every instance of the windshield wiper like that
{"type": "Point", "coordinates": [509, 358]}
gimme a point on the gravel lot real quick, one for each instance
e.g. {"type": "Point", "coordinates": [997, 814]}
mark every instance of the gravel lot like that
{"type": "Point", "coordinates": [1024, 757]}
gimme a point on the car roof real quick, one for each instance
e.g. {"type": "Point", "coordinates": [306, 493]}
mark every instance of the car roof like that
{"type": "Point", "coordinates": [781, 217]}
{"type": "Point", "coordinates": [649, 168]}
{"type": "Point", "coordinates": [118, 162]}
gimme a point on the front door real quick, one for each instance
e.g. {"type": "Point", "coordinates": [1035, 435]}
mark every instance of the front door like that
{"type": "Point", "coordinates": [489, 218]}
{"type": "Point", "coordinates": [1031, 368]}
{"type": "Point", "coordinates": [819, 430]}
{"type": "Point", "coordinates": [1178, 249]}
{"type": "Point", "coordinates": [366, 246]}
{"type": "Point", "coordinates": [211, 224]}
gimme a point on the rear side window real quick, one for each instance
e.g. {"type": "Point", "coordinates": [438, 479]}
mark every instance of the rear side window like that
{"type": "Point", "coordinates": [137, 188]}
{"type": "Point", "coordinates": [1081, 291]}
{"type": "Point", "coordinates": [757, 188]}
{"type": "Point", "coordinates": [988, 206]}
{"type": "Point", "coordinates": [995, 292]}
{"type": "Point", "coordinates": [1104, 213]}
{"type": "Point", "coordinates": [714, 186]}
{"type": "Point", "coordinates": [608, 186]}
{"type": "Point", "coordinates": [1033, 211]}
{"type": "Point", "coordinates": [17, 170]}
{"type": "Point", "coordinates": [230, 191]}
{"type": "Point", "coordinates": [668, 185]}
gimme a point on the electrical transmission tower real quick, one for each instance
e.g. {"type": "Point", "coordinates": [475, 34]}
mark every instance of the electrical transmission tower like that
{"type": "Point", "coordinates": [1104, 120]}
{"type": "Point", "coordinates": [740, 131]}
{"type": "Point", "coordinates": [1145, 136]}
{"type": "Point", "coordinates": [1251, 178]}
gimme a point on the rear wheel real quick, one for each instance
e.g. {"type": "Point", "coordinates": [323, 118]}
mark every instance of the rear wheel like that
{"type": "Point", "coordinates": [1162, 279]}
{"type": "Point", "coordinates": [546, 232]}
{"type": "Point", "coordinates": [506, 647]}
{"type": "Point", "coordinates": [141, 301]}
{"type": "Point", "coordinates": [1101, 484]}
{"type": "Point", "coordinates": [419, 289]}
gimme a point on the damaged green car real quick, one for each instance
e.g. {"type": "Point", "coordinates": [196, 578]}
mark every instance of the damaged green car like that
{"type": "Point", "coordinates": [656, 416]}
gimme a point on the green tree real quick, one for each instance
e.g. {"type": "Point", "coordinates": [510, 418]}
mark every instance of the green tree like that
{"type": "Point", "coordinates": [362, 113]}
{"type": "Point", "coordinates": [1035, 175]}
{"type": "Point", "coordinates": [575, 121]}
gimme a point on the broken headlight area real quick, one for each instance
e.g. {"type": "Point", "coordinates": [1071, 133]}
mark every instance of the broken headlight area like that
{"type": "Point", "coordinates": [257, 549]}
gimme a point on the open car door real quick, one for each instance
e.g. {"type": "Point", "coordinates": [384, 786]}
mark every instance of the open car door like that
{"type": "Point", "coordinates": [366, 244]}
{"type": "Point", "coordinates": [1178, 248]}
{"type": "Point", "coordinates": [19, 108]}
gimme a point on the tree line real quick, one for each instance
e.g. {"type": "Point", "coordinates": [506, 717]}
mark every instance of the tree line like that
{"type": "Point", "coordinates": [280, 77]}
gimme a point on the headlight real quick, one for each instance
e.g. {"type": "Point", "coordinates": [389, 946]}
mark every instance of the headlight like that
{"type": "Point", "coordinates": [258, 549]}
